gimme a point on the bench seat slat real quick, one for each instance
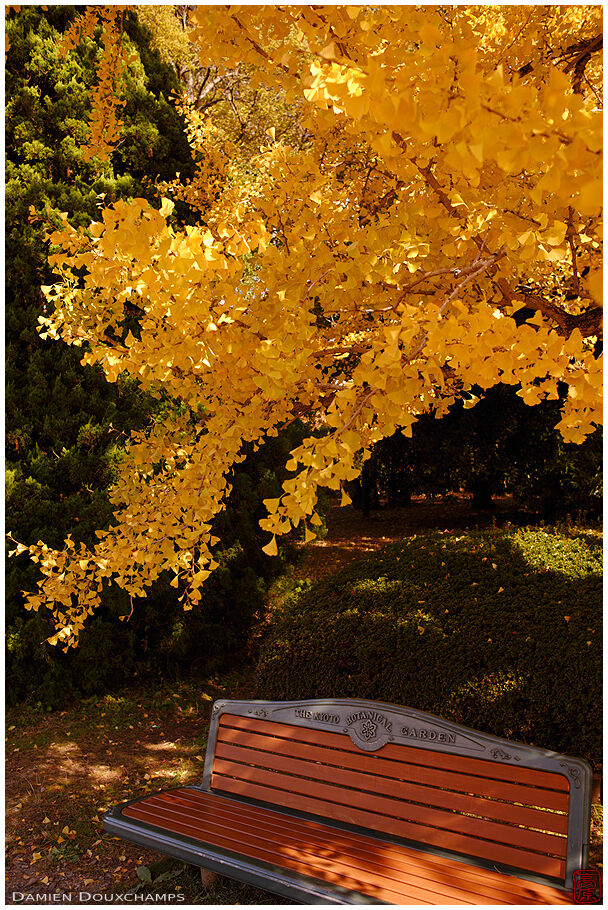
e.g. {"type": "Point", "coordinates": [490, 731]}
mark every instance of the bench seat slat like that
{"type": "Point", "coordinates": [316, 764]}
{"type": "Point", "coordinates": [429, 768]}
{"type": "Point", "coordinates": [412, 813]}
{"type": "Point", "coordinates": [394, 873]}
{"type": "Point", "coordinates": [448, 840]}
{"type": "Point", "coordinates": [358, 848]}
{"type": "Point", "coordinates": [353, 843]}
{"type": "Point", "coordinates": [354, 849]}
{"type": "Point", "coordinates": [300, 858]}
{"type": "Point", "coordinates": [401, 752]}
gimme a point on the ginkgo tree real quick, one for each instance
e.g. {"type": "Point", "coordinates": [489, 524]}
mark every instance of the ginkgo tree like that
{"type": "Point", "coordinates": [435, 231]}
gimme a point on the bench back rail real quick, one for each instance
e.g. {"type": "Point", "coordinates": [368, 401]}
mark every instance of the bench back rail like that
{"type": "Point", "coordinates": [407, 774]}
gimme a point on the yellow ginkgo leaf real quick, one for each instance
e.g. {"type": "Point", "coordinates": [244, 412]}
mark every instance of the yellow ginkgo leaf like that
{"type": "Point", "coordinates": [166, 207]}
{"type": "Point", "coordinates": [345, 499]}
{"type": "Point", "coordinates": [329, 51]}
{"type": "Point", "coordinates": [271, 548]}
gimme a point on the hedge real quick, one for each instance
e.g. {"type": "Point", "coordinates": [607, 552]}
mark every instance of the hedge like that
{"type": "Point", "coordinates": [499, 630]}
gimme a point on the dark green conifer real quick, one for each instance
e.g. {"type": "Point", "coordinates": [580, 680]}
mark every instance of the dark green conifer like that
{"type": "Point", "coordinates": [64, 423]}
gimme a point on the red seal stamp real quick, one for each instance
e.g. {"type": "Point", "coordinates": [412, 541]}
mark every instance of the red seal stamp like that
{"type": "Point", "coordinates": [587, 886]}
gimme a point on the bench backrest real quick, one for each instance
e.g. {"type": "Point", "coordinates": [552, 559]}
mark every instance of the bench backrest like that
{"type": "Point", "coordinates": [407, 774]}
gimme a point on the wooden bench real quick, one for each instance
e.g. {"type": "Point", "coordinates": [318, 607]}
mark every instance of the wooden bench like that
{"type": "Point", "coordinates": [352, 802]}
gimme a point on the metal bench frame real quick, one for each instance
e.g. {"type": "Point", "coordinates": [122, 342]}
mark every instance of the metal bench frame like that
{"type": "Point", "coordinates": [370, 726]}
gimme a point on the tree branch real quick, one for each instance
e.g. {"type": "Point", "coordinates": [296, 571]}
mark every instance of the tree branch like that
{"type": "Point", "coordinates": [570, 234]}
{"type": "Point", "coordinates": [356, 412]}
{"type": "Point", "coordinates": [580, 62]}
{"type": "Point", "coordinates": [256, 47]}
{"type": "Point", "coordinates": [588, 323]}
{"type": "Point", "coordinates": [581, 51]}
{"type": "Point", "coordinates": [474, 268]}
{"type": "Point", "coordinates": [329, 352]}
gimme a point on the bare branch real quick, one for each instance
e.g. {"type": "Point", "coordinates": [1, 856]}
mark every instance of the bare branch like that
{"type": "Point", "coordinates": [570, 234]}
{"type": "Point", "coordinates": [481, 267]}
{"type": "Point", "coordinates": [356, 412]}
{"type": "Point", "coordinates": [478, 265]}
{"type": "Point", "coordinates": [581, 62]}
{"type": "Point", "coordinates": [317, 280]}
{"type": "Point", "coordinates": [580, 52]}
{"type": "Point", "coordinates": [589, 322]}
{"type": "Point", "coordinates": [330, 352]}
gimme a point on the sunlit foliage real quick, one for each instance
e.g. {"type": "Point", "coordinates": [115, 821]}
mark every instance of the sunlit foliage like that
{"type": "Point", "coordinates": [449, 176]}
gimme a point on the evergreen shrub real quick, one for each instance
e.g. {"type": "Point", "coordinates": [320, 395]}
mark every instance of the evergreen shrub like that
{"type": "Point", "coordinates": [156, 636]}
{"type": "Point", "coordinates": [497, 630]}
{"type": "Point", "coordinates": [65, 425]}
{"type": "Point", "coordinates": [64, 422]}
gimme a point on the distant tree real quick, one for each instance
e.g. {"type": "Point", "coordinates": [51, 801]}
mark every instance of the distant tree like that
{"type": "Point", "coordinates": [239, 103]}
{"type": "Point", "coordinates": [169, 26]}
{"type": "Point", "coordinates": [499, 446]}
{"type": "Point", "coordinates": [557, 479]}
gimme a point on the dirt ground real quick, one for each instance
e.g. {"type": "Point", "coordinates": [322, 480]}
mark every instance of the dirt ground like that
{"type": "Point", "coordinates": [64, 769]}
{"type": "Point", "coordinates": [350, 536]}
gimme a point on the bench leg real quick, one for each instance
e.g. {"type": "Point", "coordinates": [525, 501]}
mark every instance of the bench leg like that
{"type": "Point", "coordinates": [208, 878]}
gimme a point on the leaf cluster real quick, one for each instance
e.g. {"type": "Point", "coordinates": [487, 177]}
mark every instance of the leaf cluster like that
{"type": "Point", "coordinates": [422, 222]}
